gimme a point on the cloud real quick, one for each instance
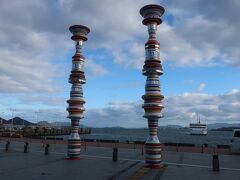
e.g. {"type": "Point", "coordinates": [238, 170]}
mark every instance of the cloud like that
{"type": "Point", "coordinates": [207, 30]}
{"type": "Point", "coordinates": [201, 87]}
{"type": "Point", "coordinates": [31, 42]}
{"type": "Point", "coordinates": [193, 33]}
{"type": "Point", "coordinates": [43, 99]}
{"type": "Point", "coordinates": [95, 70]}
{"type": "Point", "coordinates": [130, 54]}
{"type": "Point", "coordinates": [180, 109]}
{"type": "Point", "coordinates": [26, 48]}
{"type": "Point", "coordinates": [189, 40]}
{"type": "Point", "coordinates": [213, 108]}
{"type": "Point", "coordinates": [41, 35]}
{"type": "Point", "coordinates": [125, 114]}
{"type": "Point", "coordinates": [188, 81]}
{"type": "Point", "coordinates": [23, 72]}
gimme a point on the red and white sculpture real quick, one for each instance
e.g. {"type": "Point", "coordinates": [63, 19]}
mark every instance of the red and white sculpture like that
{"type": "Point", "coordinates": [76, 101]}
{"type": "Point", "coordinates": [152, 69]}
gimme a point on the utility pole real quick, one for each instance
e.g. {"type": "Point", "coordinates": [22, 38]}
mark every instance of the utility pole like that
{"type": "Point", "coordinates": [13, 110]}
{"type": "Point", "coordinates": [23, 114]}
{"type": "Point", "coordinates": [1, 121]}
{"type": "Point", "coordinates": [37, 115]}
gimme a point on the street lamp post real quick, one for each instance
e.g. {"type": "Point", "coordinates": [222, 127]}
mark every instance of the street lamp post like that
{"type": "Point", "coordinates": [11, 129]}
{"type": "Point", "coordinates": [2, 118]}
{"type": "Point", "coordinates": [23, 114]}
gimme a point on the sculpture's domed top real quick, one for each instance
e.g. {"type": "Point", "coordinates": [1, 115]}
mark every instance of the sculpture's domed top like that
{"type": "Point", "coordinates": [79, 32]}
{"type": "Point", "coordinates": [152, 13]}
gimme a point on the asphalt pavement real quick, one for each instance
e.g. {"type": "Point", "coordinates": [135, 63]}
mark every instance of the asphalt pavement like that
{"type": "Point", "coordinates": [96, 163]}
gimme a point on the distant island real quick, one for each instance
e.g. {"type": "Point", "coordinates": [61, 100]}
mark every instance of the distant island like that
{"type": "Point", "coordinates": [17, 121]}
{"type": "Point", "coordinates": [21, 121]}
{"type": "Point", "coordinates": [226, 128]}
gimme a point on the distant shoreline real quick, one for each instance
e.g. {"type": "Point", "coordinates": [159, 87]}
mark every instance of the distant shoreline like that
{"type": "Point", "coordinates": [18, 121]}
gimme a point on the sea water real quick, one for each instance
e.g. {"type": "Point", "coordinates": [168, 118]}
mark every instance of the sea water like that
{"type": "Point", "coordinates": [165, 135]}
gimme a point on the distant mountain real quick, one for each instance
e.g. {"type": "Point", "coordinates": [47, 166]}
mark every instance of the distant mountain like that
{"type": "Point", "coordinates": [81, 125]}
{"type": "Point", "coordinates": [209, 126]}
{"type": "Point", "coordinates": [4, 121]}
{"type": "Point", "coordinates": [20, 121]}
{"type": "Point", "coordinates": [59, 123]}
{"type": "Point", "coordinates": [230, 128]}
{"type": "Point", "coordinates": [17, 121]}
{"type": "Point", "coordinates": [43, 123]}
{"type": "Point", "coordinates": [171, 126]}
{"type": "Point", "coordinates": [66, 123]}
{"type": "Point", "coordinates": [222, 125]}
{"type": "Point", "coordinates": [115, 127]}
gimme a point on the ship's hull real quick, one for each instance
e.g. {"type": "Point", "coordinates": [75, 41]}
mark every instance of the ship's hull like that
{"type": "Point", "coordinates": [198, 131]}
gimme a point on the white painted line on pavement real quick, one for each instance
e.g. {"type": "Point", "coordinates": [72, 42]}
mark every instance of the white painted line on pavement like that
{"type": "Point", "coordinates": [201, 166]}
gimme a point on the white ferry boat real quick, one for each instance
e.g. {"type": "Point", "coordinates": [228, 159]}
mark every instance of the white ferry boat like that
{"type": "Point", "coordinates": [198, 128]}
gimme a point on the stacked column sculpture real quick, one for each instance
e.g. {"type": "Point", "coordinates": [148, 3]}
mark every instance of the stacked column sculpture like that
{"type": "Point", "coordinates": [76, 101]}
{"type": "Point", "coordinates": [152, 98]}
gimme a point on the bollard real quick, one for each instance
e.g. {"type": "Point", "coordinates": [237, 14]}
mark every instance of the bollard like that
{"type": "Point", "coordinates": [215, 162]}
{"type": "Point", "coordinates": [115, 154]}
{"type": "Point", "coordinates": [142, 150]}
{"type": "Point", "coordinates": [85, 146]}
{"type": "Point", "coordinates": [47, 149]}
{"type": "Point", "coordinates": [26, 147]}
{"type": "Point", "coordinates": [7, 146]}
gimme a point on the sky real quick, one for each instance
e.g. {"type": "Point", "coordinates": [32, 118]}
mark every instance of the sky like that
{"type": "Point", "coordinates": [199, 52]}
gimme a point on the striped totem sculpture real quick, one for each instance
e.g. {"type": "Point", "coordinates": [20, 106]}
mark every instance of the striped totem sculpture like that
{"type": "Point", "coordinates": [77, 79]}
{"type": "Point", "coordinates": [152, 98]}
